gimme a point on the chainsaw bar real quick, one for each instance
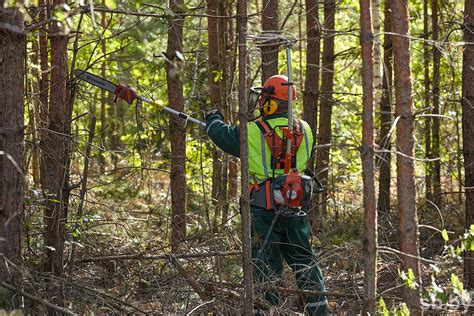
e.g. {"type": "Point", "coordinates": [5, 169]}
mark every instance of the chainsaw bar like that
{"type": "Point", "coordinates": [112, 88]}
{"type": "Point", "coordinates": [95, 80]}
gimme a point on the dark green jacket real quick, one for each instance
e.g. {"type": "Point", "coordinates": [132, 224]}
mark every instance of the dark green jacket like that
{"type": "Point", "coordinates": [225, 136]}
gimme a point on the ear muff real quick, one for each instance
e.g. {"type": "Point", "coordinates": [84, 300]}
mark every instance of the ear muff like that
{"type": "Point", "coordinates": [270, 107]}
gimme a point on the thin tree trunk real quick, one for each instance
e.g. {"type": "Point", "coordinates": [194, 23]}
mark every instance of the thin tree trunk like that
{"type": "Point", "coordinates": [43, 120]}
{"type": "Point", "coordinates": [311, 93]}
{"type": "Point", "coordinates": [426, 66]}
{"type": "Point", "coordinates": [367, 157]}
{"type": "Point", "coordinates": [12, 70]}
{"type": "Point", "coordinates": [33, 112]}
{"type": "Point", "coordinates": [270, 23]}
{"type": "Point", "coordinates": [405, 146]}
{"type": "Point", "coordinates": [103, 100]}
{"type": "Point", "coordinates": [232, 65]}
{"type": "Point", "coordinates": [326, 102]}
{"type": "Point", "coordinates": [435, 150]}
{"type": "Point", "coordinates": [215, 88]}
{"type": "Point", "coordinates": [378, 71]}
{"type": "Point", "coordinates": [468, 131]}
{"type": "Point", "coordinates": [55, 151]}
{"type": "Point", "coordinates": [386, 120]}
{"type": "Point", "coordinates": [247, 303]}
{"type": "Point", "coordinates": [225, 108]}
{"type": "Point", "coordinates": [177, 129]}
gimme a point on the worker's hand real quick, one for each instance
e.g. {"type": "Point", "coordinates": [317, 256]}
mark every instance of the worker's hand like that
{"type": "Point", "coordinates": [126, 93]}
{"type": "Point", "coordinates": [212, 113]}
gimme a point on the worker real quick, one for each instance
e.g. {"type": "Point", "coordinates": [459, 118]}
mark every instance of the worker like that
{"type": "Point", "coordinates": [280, 230]}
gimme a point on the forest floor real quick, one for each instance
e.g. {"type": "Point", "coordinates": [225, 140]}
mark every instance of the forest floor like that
{"type": "Point", "coordinates": [124, 263]}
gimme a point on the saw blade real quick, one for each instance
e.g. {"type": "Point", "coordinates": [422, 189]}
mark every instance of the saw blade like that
{"type": "Point", "coordinates": [95, 80]}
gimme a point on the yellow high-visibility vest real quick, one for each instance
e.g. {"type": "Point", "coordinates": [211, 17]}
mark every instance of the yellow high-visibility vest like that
{"type": "Point", "coordinates": [260, 154]}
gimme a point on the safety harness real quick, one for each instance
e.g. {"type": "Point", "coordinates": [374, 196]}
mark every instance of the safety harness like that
{"type": "Point", "coordinates": [289, 192]}
{"type": "Point", "coordinates": [278, 145]}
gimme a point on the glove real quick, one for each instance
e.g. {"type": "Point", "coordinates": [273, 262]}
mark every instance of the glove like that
{"type": "Point", "coordinates": [126, 93]}
{"type": "Point", "coordinates": [212, 113]}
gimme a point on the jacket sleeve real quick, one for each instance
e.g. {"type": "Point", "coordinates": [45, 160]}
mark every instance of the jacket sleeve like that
{"type": "Point", "coordinates": [225, 136]}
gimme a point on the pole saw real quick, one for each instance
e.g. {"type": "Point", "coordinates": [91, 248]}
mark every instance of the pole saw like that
{"type": "Point", "coordinates": [121, 91]}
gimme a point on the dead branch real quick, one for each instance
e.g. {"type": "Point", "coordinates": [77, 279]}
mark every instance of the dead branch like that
{"type": "Point", "coordinates": [37, 299]}
{"type": "Point", "coordinates": [192, 282]}
{"type": "Point", "coordinates": [160, 256]}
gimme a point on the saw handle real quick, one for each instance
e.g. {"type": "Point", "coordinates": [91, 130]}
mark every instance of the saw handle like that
{"type": "Point", "coordinates": [125, 93]}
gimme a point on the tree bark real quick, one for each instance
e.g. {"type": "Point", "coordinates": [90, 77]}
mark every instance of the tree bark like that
{"type": "Point", "coordinates": [55, 158]}
{"type": "Point", "coordinates": [33, 110]}
{"type": "Point", "coordinates": [43, 119]}
{"type": "Point", "coordinates": [311, 92]}
{"type": "Point", "coordinates": [177, 129]}
{"type": "Point", "coordinates": [12, 70]}
{"type": "Point", "coordinates": [427, 84]}
{"type": "Point", "coordinates": [468, 131]}
{"type": "Point", "coordinates": [103, 99]}
{"type": "Point", "coordinates": [326, 102]}
{"type": "Point", "coordinates": [386, 117]}
{"type": "Point", "coordinates": [435, 150]}
{"type": "Point", "coordinates": [270, 23]}
{"type": "Point", "coordinates": [215, 88]}
{"type": "Point", "coordinates": [247, 303]}
{"type": "Point", "coordinates": [405, 148]}
{"type": "Point", "coordinates": [378, 71]}
{"type": "Point", "coordinates": [367, 157]}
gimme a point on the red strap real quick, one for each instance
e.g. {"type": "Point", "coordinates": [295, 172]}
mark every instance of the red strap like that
{"type": "Point", "coordinates": [267, 195]}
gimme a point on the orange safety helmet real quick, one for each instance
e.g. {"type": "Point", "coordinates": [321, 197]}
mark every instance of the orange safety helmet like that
{"type": "Point", "coordinates": [277, 87]}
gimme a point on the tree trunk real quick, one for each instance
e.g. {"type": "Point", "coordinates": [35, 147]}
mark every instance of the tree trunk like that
{"type": "Point", "coordinates": [33, 110]}
{"type": "Point", "coordinates": [43, 120]}
{"type": "Point", "coordinates": [247, 299]}
{"type": "Point", "coordinates": [386, 120]}
{"type": "Point", "coordinates": [55, 160]}
{"type": "Point", "coordinates": [426, 66]}
{"type": "Point", "coordinates": [215, 88]}
{"type": "Point", "coordinates": [12, 69]}
{"type": "Point", "coordinates": [468, 131]}
{"type": "Point", "coordinates": [378, 71]}
{"type": "Point", "coordinates": [270, 24]}
{"type": "Point", "coordinates": [435, 150]}
{"type": "Point", "coordinates": [326, 102]}
{"type": "Point", "coordinates": [311, 93]}
{"type": "Point", "coordinates": [228, 100]}
{"type": "Point", "coordinates": [367, 157]}
{"type": "Point", "coordinates": [177, 129]}
{"type": "Point", "coordinates": [405, 146]}
{"type": "Point", "coordinates": [103, 101]}
{"type": "Point", "coordinates": [223, 204]}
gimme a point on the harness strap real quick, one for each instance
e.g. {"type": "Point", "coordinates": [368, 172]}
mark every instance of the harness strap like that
{"type": "Point", "coordinates": [276, 144]}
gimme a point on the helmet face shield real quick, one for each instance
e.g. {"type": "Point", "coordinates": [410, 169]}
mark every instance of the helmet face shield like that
{"type": "Point", "coordinates": [254, 96]}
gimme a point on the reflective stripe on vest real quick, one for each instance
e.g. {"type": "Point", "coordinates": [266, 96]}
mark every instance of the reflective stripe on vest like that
{"type": "Point", "coordinates": [260, 154]}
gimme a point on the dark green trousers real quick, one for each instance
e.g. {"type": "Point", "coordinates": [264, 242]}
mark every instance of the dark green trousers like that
{"type": "Point", "coordinates": [275, 238]}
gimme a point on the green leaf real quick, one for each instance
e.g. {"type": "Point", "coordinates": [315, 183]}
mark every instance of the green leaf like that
{"type": "Point", "coordinates": [383, 307]}
{"type": "Point", "coordinates": [444, 233]}
{"type": "Point", "coordinates": [111, 4]}
{"type": "Point", "coordinates": [457, 284]}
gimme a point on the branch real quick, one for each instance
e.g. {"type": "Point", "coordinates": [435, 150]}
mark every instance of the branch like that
{"type": "Point", "coordinates": [286, 290]}
{"type": "Point", "coordinates": [192, 282]}
{"type": "Point", "coordinates": [160, 257]}
{"type": "Point", "coordinates": [37, 299]}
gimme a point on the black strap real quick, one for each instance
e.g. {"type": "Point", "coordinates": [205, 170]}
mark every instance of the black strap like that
{"type": "Point", "coordinates": [260, 124]}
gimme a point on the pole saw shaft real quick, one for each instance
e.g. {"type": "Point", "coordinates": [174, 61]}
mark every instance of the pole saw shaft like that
{"type": "Point", "coordinates": [182, 115]}
{"type": "Point", "coordinates": [128, 94]}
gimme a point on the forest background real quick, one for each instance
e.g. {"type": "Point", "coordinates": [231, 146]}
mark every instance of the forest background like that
{"type": "Point", "coordinates": [115, 207]}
